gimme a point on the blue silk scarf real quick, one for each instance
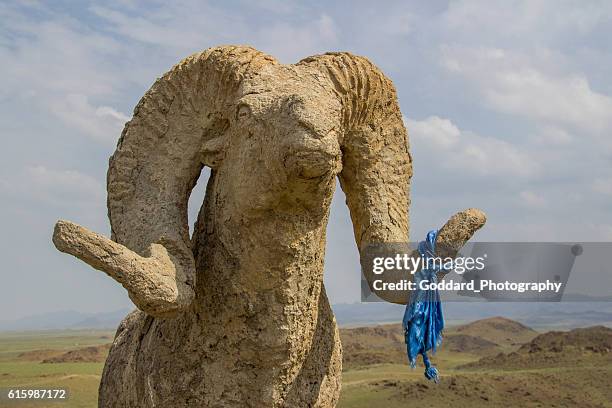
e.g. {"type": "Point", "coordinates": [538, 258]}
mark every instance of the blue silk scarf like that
{"type": "Point", "coordinates": [423, 320]}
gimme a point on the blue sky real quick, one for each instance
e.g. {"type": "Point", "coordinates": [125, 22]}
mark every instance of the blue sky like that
{"type": "Point", "coordinates": [508, 108]}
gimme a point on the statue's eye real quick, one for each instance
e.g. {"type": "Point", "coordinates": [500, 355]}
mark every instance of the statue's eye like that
{"type": "Point", "coordinates": [243, 111]}
{"type": "Point", "coordinates": [296, 107]}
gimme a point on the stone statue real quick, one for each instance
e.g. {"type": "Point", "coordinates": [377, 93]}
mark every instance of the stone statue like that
{"type": "Point", "coordinates": [237, 315]}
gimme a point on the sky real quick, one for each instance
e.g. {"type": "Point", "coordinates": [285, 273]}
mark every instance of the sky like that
{"type": "Point", "coordinates": [508, 107]}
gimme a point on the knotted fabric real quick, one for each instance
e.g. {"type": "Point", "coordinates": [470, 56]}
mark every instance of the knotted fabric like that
{"type": "Point", "coordinates": [423, 320]}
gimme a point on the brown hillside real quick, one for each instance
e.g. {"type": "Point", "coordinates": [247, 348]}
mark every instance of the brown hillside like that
{"type": "Point", "coordinates": [464, 343]}
{"type": "Point", "coordinates": [382, 344]}
{"type": "Point", "coordinates": [38, 355]}
{"type": "Point", "coordinates": [499, 330]}
{"type": "Point", "coordinates": [556, 349]}
{"type": "Point", "coordinates": [373, 345]}
{"type": "Point", "coordinates": [581, 387]}
{"type": "Point", "coordinates": [596, 339]}
{"type": "Point", "coordinates": [92, 354]}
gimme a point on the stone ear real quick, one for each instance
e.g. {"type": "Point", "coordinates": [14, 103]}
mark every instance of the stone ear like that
{"type": "Point", "coordinates": [215, 140]}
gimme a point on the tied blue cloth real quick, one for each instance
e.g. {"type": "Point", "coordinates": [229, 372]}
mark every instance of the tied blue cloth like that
{"type": "Point", "coordinates": [423, 320]}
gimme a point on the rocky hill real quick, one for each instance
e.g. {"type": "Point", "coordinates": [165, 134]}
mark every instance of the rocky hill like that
{"type": "Point", "coordinates": [91, 354]}
{"type": "Point", "coordinates": [373, 345]}
{"type": "Point", "coordinates": [555, 348]}
{"type": "Point", "coordinates": [382, 344]}
{"type": "Point", "coordinates": [498, 330]}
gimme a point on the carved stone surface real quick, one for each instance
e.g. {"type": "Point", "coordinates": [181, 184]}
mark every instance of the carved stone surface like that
{"type": "Point", "coordinates": [237, 314]}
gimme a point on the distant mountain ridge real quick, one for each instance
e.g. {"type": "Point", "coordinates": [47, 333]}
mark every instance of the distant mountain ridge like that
{"type": "Point", "coordinates": [544, 315]}
{"type": "Point", "coordinates": [538, 315]}
{"type": "Point", "coordinates": [68, 319]}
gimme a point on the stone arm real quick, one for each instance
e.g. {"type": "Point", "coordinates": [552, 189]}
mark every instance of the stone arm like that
{"type": "Point", "coordinates": [151, 281]}
{"type": "Point", "coordinates": [456, 232]}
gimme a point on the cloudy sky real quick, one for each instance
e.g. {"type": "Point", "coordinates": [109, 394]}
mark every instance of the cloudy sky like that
{"type": "Point", "coordinates": [508, 107]}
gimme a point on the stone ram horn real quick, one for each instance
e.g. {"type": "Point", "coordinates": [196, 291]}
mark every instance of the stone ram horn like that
{"type": "Point", "coordinates": [176, 129]}
{"type": "Point", "coordinates": [377, 166]}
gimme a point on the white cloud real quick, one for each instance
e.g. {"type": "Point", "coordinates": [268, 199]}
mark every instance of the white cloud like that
{"type": "Point", "coordinates": [531, 199]}
{"type": "Point", "coordinates": [159, 26]}
{"type": "Point", "coordinates": [525, 19]}
{"type": "Point", "coordinates": [62, 185]}
{"type": "Point", "coordinates": [58, 64]}
{"type": "Point", "coordinates": [102, 123]}
{"type": "Point", "coordinates": [400, 22]}
{"type": "Point", "coordinates": [197, 25]}
{"type": "Point", "coordinates": [552, 135]}
{"type": "Point", "coordinates": [56, 56]}
{"type": "Point", "coordinates": [606, 231]}
{"type": "Point", "coordinates": [292, 42]}
{"type": "Point", "coordinates": [67, 188]}
{"type": "Point", "coordinates": [456, 149]}
{"type": "Point", "coordinates": [439, 132]}
{"type": "Point", "coordinates": [603, 186]}
{"type": "Point", "coordinates": [542, 230]}
{"type": "Point", "coordinates": [511, 83]}
{"type": "Point", "coordinates": [598, 231]}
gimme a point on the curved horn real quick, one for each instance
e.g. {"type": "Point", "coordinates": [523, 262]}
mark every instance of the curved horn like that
{"type": "Point", "coordinates": [178, 127]}
{"type": "Point", "coordinates": [377, 166]}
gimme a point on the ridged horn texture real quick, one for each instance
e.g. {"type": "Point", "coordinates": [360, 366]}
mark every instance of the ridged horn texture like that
{"type": "Point", "coordinates": [375, 143]}
{"type": "Point", "coordinates": [176, 129]}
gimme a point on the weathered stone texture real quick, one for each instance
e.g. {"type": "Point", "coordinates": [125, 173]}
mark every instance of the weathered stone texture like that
{"type": "Point", "coordinates": [236, 315]}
